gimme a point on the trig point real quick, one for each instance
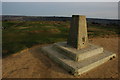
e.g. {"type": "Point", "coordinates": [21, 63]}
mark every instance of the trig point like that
{"type": "Point", "coordinates": [76, 55]}
{"type": "Point", "coordinates": [78, 37]}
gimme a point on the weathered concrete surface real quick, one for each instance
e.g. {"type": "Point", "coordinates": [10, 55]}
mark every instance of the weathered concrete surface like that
{"type": "Point", "coordinates": [32, 63]}
{"type": "Point", "coordinates": [78, 37]}
{"type": "Point", "coordinates": [75, 54]}
{"type": "Point", "coordinates": [77, 68]}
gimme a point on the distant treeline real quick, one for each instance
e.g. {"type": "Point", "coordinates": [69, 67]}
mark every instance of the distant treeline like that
{"type": "Point", "coordinates": [54, 18]}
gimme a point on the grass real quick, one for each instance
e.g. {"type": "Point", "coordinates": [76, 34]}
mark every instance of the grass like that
{"type": "Point", "coordinates": [18, 35]}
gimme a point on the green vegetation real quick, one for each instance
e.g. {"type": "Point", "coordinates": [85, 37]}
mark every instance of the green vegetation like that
{"type": "Point", "coordinates": [18, 35]}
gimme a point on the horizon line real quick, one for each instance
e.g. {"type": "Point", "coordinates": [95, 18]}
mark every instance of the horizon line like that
{"type": "Point", "coordinates": [53, 16]}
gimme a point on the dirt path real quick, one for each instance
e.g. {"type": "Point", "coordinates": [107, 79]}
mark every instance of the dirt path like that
{"type": "Point", "coordinates": [31, 63]}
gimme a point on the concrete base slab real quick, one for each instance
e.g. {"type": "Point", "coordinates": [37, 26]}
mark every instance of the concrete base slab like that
{"type": "Point", "coordinates": [75, 67]}
{"type": "Point", "coordinates": [78, 55]}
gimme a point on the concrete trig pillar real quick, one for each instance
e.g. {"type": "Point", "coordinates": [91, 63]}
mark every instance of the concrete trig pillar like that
{"type": "Point", "coordinates": [78, 37]}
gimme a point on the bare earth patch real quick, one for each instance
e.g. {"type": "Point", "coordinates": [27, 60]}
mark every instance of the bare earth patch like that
{"type": "Point", "coordinates": [22, 27]}
{"type": "Point", "coordinates": [31, 63]}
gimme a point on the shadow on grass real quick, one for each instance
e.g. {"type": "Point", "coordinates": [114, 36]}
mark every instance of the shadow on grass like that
{"type": "Point", "coordinates": [17, 42]}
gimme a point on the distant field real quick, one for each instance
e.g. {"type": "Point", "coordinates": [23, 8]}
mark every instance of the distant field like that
{"type": "Point", "coordinates": [18, 35]}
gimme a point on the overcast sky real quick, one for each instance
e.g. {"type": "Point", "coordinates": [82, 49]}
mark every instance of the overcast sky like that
{"type": "Point", "coordinates": [60, 0]}
{"type": "Point", "coordinates": [105, 10]}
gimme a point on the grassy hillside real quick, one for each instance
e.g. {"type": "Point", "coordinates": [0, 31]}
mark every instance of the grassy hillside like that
{"type": "Point", "coordinates": [18, 35]}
